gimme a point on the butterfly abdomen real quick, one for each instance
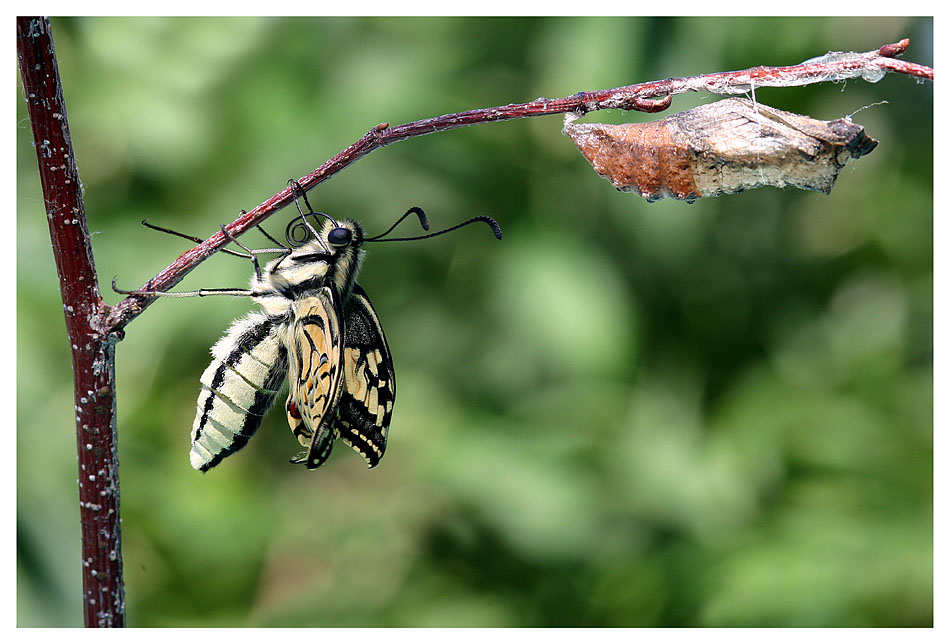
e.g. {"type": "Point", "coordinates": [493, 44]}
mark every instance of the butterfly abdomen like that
{"type": "Point", "coordinates": [237, 388]}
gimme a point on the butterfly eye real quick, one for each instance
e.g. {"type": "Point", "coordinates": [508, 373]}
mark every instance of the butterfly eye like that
{"type": "Point", "coordinates": [339, 236]}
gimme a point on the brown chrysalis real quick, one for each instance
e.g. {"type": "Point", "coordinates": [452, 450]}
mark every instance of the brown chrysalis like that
{"type": "Point", "coordinates": [721, 148]}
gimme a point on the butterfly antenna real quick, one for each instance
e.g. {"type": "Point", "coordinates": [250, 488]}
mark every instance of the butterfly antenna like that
{"type": "Point", "coordinates": [496, 229]}
{"type": "Point", "coordinates": [415, 210]}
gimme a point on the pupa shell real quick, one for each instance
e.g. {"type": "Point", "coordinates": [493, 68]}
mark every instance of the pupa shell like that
{"type": "Point", "coordinates": [721, 148]}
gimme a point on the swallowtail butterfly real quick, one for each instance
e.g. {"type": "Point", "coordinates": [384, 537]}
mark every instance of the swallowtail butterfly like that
{"type": "Point", "coordinates": [318, 330]}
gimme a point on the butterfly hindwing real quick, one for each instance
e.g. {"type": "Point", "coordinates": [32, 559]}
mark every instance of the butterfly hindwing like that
{"type": "Point", "coordinates": [315, 348]}
{"type": "Point", "coordinates": [369, 381]}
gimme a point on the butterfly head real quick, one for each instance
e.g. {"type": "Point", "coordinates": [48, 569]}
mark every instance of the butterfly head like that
{"type": "Point", "coordinates": [343, 235]}
{"type": "Point", "coordinates": [326, 253]}
{"type": "Point", "coordinates": [344, 239]}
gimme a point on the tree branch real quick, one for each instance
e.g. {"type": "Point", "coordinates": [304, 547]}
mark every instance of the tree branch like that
{"type": "Point", "coordinates": [652, 96]}
{"type": "Point", "coordinates": [93, 347]}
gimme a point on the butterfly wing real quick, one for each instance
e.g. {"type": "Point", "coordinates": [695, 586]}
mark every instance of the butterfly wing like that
{"type": "Point", "coordinates": [237, 388]}
{"type": "Point", "coordinates": [369, 380]}
{"type": "Point", "coordinates": [314, 342]}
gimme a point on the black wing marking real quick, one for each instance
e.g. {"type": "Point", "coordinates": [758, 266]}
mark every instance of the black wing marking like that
{"type": "Point", "coordinates": [369, 380]}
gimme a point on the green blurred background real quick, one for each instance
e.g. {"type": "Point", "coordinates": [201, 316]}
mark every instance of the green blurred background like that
{"type": "Point", "coordinates": [623, 414]}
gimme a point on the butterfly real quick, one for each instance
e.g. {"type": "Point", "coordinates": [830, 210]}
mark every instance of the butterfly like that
{"type": "Point", "coordinates": [318, 331]}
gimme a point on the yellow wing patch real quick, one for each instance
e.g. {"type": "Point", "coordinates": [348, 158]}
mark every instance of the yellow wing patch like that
{"type": "Point", "coordinates": [315, 345]}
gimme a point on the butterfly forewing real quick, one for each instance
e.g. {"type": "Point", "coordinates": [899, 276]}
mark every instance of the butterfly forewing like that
{"type": "Point", "coordinates": [315, 347]}
{"type": "Point", "coordinates": [369, 380]}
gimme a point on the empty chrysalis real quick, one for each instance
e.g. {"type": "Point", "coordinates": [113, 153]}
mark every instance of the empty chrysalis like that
{"type": "Point", "coordinates": [718, 149]}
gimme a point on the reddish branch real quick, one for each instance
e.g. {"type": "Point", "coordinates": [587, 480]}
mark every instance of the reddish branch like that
{"type": "Point", "coordinates": [93, 347]}
{"type": "Point", "coordinates": [652, 96]}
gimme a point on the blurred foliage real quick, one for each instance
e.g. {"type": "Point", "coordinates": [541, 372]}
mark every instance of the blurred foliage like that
{"type": "Point", "coordinates": [623, 414]}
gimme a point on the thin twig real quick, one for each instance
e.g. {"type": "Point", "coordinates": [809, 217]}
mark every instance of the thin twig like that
{"type": "Point", "coordinates": [648, 97]}
{"type": "Point", "coordinates": [93, 347]}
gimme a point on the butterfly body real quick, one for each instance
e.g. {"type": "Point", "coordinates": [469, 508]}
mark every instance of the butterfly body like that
{"type": "Point", "coordinates": [318, 331]}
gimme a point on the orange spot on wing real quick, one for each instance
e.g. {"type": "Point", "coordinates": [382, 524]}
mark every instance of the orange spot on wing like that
{"type": "Point", "coordinates": [292, 409]}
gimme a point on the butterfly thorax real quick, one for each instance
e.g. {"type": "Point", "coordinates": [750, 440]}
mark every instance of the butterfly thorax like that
{"type": "Point", "coordinates": [323, 262]}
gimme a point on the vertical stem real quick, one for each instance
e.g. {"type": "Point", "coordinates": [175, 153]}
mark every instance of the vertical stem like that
{"type": "Point", "coordinates": [93, 349]}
